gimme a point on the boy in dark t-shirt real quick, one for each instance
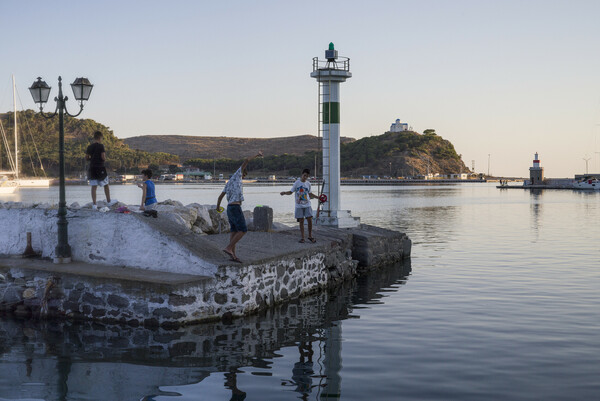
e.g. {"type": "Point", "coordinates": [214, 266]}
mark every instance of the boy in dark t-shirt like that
{"type": "Point", "coordinates": [97, 174]}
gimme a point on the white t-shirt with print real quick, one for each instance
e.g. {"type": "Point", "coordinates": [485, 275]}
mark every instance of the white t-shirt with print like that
{"type": "Point", "coordinates": [301, 190]}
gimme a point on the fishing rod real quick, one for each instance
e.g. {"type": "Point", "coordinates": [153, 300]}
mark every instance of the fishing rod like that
{"type": "Point", "coordinates": [322, 199]}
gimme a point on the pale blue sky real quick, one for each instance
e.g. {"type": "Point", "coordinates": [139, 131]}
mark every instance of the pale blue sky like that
{"type": "Point", "coordinates": [506, 78]}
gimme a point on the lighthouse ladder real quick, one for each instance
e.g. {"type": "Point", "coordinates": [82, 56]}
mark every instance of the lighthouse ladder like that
{"type": "Point", "coordinates": [324, 145]}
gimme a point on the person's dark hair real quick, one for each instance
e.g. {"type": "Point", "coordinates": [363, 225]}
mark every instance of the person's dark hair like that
{"type": "Point", "coordinates": [147, 173]}
{"type": "Point", "coordinates": [307, 171]}
{"type": "Point", "coordinates": [98, 135]}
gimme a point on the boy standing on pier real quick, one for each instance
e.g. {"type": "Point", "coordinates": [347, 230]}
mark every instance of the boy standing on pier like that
{"type": "Point", "coordinates": [235, 196]}
{"type": "Point", "coordinates": [97, 174]}
{"type": "Point", "coordinates": [303, 208]}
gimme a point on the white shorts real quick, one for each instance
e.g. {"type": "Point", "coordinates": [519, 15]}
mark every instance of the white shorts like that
{"type": "Point", "coordinates": [100, 183]}
{"type": "Point", "coordinates": [303, 212]}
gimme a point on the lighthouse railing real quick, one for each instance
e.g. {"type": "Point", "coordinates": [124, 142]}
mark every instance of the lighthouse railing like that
{"type": "Point", "coordinates": [341, 64]}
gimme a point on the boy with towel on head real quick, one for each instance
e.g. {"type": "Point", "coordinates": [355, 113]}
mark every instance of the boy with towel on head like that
{"type": "Point", "coordinates": [235, 196]}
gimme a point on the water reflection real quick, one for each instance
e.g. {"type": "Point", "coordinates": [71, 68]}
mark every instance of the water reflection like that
{"type": "Point", "coordinates": [432, 225]}
{"type": "Point", "coordinates": [63, 360]}
{"type": "Point", "coordinates": [536, 208]}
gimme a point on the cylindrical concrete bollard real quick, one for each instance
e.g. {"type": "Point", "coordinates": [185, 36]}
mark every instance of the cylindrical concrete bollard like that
{"type": "Point", "coordinates": [263, 218]}
{"type": "Point", "coordinates": [29, 252]}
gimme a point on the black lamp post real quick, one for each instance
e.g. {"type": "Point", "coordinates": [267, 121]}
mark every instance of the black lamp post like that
{"type": "Point", "coordinates": [40, 91]}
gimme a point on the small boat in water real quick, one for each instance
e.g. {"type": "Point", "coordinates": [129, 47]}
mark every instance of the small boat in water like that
{"type": "Point", "coordinates": [587, 183]}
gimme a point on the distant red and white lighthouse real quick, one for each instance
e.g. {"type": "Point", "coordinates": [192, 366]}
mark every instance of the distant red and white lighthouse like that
{"type": "Point", "coordinates": [536, 173]}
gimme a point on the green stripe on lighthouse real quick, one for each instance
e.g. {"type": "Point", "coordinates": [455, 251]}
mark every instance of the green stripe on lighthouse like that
{"type": "Point", "coordinates": [331, 113]}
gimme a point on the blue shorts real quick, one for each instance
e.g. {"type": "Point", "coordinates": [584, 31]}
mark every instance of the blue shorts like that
{"type": "Point", "coordinates": [237, 222]}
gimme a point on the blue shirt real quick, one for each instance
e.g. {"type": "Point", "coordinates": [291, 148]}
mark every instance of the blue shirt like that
{"type": "Point", "coordinates": [150, 195]}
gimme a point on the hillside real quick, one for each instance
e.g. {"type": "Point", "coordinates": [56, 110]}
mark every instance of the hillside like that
{"type": "Point", "coordinates": [220, 147]}
{"type": "Point", "coordinates": [391, 154]}
{"type": "Point", "coordinates": [39, 136]}
{"type": "Point", "coordinates": [401, 154]}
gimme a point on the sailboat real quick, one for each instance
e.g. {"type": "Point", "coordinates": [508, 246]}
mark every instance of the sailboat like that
{"type": "Point", "coordinates": [9, 180]}
{"type": "Point", "coordinates": [8, 185]}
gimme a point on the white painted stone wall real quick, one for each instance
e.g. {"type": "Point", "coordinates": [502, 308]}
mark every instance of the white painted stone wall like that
{"type": "Point", "coordinates": [103, 238]}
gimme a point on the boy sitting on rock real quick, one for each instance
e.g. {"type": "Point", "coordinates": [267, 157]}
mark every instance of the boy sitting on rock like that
{"type": "Point", "coordinates": [148, 194]}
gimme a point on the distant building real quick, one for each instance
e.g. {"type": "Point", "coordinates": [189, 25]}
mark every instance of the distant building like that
{"type": "Point", "coordinates": [536, 173]}
{"type": "Point", "coordinates": [461, 176]}
{"type": "Point", "coordinates": [398, 126]}
{"type": "Point", "coordinates": [197, 175]}
{"type": "Point", "coordinates": [172, 177]}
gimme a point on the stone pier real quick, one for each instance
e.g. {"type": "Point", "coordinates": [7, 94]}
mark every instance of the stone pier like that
{"type": "Point", "coordinates": [145, 271]}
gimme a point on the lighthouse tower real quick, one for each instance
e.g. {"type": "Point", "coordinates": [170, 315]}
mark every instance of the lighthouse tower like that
{"type": "Point", "coordinates": [329, 73]}
{"type": "Point", "coordinates": [536, 173]}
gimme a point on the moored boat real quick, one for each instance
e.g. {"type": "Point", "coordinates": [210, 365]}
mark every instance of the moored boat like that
{"type": "Point", "coordinates": [11, 181]}
{"type": "Point", "coordinates": [587, 183]}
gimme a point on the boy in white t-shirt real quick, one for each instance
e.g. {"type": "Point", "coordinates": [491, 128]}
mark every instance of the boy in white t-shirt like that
{"type": "Point", "coordinates": [301, 189]}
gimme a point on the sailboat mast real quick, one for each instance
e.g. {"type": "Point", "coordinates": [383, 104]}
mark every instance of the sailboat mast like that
{"type": "Point", "coordinates": [16, 134]}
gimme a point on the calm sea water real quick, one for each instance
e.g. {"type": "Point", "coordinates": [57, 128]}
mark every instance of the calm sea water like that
{"type": "Point", "coordinates": [500, 301]}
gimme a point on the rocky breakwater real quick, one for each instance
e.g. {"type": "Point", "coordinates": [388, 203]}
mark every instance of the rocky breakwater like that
{"type": "Point", "coordinates": [170, 270]}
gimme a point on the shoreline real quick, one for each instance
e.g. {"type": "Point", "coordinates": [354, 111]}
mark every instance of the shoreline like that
{"type": "Point", "coordinates": [258, 182]}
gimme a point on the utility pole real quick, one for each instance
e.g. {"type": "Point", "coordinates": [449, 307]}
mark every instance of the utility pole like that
{"type": "Point", "coordinates": [472, 166]}
{"type": "Point", "coordinates": [488, 164]}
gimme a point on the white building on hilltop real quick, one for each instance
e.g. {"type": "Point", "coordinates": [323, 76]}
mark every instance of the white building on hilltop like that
{"type": "Point", "coordinates": [398, 126]}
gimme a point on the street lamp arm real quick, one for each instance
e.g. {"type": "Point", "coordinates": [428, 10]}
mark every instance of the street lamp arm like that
{"type": "Point", "coordinates": [46, 115]}
{"type": "Point", "coordinates": [67, 111]}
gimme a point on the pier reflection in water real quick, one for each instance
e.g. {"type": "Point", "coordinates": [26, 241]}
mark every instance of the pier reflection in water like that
{"type": "Point", "coordinates": [57, 360]}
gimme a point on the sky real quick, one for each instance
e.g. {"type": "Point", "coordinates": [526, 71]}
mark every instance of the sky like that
{"type": "Point", "coordinates": [501, 80]}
